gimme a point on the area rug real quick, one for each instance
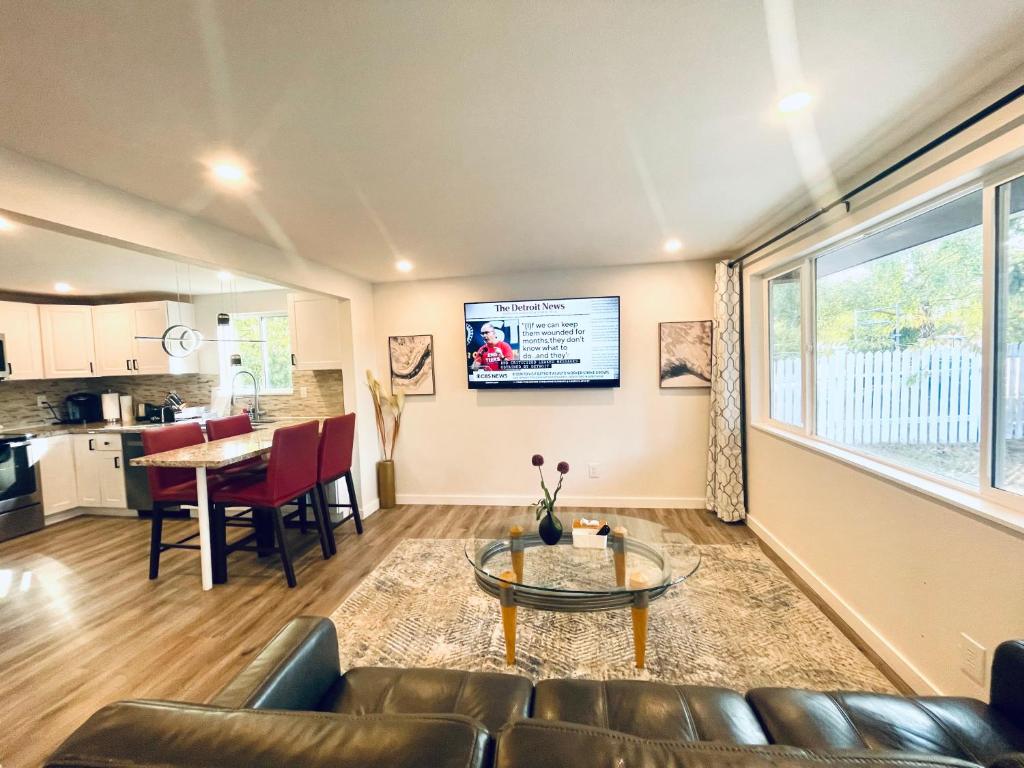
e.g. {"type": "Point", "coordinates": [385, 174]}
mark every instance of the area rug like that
{"type": "Point", "coordinates": [737, 622]}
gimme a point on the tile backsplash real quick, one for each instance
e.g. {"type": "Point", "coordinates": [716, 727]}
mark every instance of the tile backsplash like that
{"type": "Point", "coordinates": [324, 394]}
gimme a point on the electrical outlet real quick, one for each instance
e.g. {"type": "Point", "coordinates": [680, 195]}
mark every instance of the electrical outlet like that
{"type": "Point", "coordinates": [972, 659]}
{"type": "Point", "coordinates": [41, 401]}
{"type": "Point", "coordinates": [303, 392]}
{"type": "Point", "coordinates": [593, 470]}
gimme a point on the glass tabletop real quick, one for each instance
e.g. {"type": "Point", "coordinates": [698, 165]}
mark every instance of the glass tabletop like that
{"type": "Point", "coordinates": [650, 557]}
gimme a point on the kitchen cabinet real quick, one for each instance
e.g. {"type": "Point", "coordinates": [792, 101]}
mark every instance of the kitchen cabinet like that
{"type": "Point", "coordinates": [99, 467]}
{"type": "Point", "coordinates": [57, 476]}
{"type": "Point", "coordinates": [120, 351]}
{"type": "Point", "coordinates": [22, 340]}
{"type": "Point", "coordinates": [316, 325]}
{"type": "Point", "coordinates": [67, 340]}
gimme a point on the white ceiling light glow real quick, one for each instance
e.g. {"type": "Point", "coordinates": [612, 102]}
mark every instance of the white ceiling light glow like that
{"type": "Point", "coordinates": [6, 224]}
{"type": "Point", "coordinates": [404, 265]}
{"type": "Point", "coordinates": [672, 245]}
{"type": "Point", "coordinates": [229, 172]}
{"type": "Point", "coordinates": [794, 102]}
{"type": "Point", "coordinates": [61, 287]}
{"type": "Point", "coordinates": [225, 276]}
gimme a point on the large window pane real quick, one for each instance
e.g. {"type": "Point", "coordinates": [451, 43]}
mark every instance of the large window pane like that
{"type": "Point", "coordinates": [784, 348]}
{"type": "Point", "coordinates": [898, 342]}
{"type": "Point", "coordinates": [265, 346]}
{"type": "Point", "coordinates": [1009, 403]}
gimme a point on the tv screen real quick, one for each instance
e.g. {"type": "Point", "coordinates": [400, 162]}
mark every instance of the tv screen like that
{"type": "Point", "coordinates": [543, 343]}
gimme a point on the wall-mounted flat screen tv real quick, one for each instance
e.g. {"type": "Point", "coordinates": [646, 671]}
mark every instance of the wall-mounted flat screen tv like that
{"type": "Point", "coordinates": [543, 343]}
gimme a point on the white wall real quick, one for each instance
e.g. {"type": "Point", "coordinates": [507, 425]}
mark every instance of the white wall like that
{"type": "Point", "coordinates": [469, 446]}
{"type": "Point", "coordinates": [909, 573]}
{"type": "Point", "coordinates": [45, 195]}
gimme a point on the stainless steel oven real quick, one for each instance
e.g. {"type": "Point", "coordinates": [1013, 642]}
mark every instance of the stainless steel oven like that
{"type": "Point", "coordinates": [21, 508]}
{"type": "Point", "coordinates": [5, 364]}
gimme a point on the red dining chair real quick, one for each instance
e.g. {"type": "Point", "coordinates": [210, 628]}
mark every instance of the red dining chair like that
{"type": "Point", "coordinates": [172, 487]}
{"type": "Point", "coordinates": [233, 426]}
{"type": "Point", "coordinates": [334, 461]}
{"type": "Point", "coordinates": [291, 474]}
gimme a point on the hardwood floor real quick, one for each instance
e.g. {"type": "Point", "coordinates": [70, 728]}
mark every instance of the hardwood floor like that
{"type": "Point", "coordinates": [82, 625]}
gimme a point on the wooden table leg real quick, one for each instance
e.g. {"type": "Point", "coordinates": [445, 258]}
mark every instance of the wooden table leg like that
{"type": "Point", "coordinates": [205, 556]}
{"type": "Point", "coordinates": [516, 549]}
{"type": "Point", "coordinates": [639, 609]}
{"type": "Point", "coordinates": [619, 555]}
{"type": "Point", "coordinates": [508, 616]}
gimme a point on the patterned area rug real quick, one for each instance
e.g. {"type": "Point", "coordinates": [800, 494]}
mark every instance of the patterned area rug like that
{"type": "Point", "coordinates": [738, 622]}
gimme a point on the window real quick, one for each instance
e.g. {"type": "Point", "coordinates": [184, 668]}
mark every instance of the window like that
{"type": "Point", "coordinates": [898, 341]}
{"type": "Point", "coordinates": [786, 369]}
{"type": "Point", "coordinates": [1008, 447]}
{"type": "Point", "coordinates": [265, 350]}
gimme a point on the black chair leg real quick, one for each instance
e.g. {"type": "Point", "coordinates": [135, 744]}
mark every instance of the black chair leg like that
{"type": "Point", "coordinates": [264, 532]}
{"type": "Point", "coordinates": [320, 515]}
{"type": "Point", "coordinates": [302, 514]}
{"type": "Point", "coordinates": [321, 491]}
{"type": "Point", "coordinates": [351, 486]}
{"type": "Point", "coordinates": [282, 546]}
{"type": "Point", "coordinates": [218, 544]}
{"type": "Point", "coordinates": [154, 541]}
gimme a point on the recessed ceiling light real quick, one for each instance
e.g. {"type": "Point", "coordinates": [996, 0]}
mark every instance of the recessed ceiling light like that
{"type": "Point", "coordinates": [6, 224]}
{"type": "Point", "coordinates": [404, 265]}
{"type": "Point", "coordinates": [794, 102]}
{"type": "Point", "coordinates": [61, 287]}
{"type": "Point", "coordinates": [225, 276]}
{"type": "Point", "coordinates": [673, 245]}
{"type": "Point", "coordinates": [229, 172]}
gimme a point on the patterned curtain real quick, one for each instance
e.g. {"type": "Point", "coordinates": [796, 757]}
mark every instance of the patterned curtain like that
{"type": "Point", "coordinates": [725, 493]}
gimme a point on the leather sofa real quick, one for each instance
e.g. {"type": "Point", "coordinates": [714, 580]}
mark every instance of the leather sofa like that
{"type": "Point", "coordinates": [292, 705]}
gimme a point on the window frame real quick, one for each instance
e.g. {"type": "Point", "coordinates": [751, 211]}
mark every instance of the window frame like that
{"type": "Point", "coordinates": [973, 498]}
{"type": "Point", "coordinates": [227, 371]}
{"type": "Point", "coordinates": [801, 270]}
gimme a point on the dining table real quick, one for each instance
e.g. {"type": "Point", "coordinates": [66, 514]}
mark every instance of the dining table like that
{"type": "Point", "coordinates": [214, 455]}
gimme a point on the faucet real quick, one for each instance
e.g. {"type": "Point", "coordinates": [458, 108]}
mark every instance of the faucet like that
{"type": "Point", "coordinates": [255, 414]}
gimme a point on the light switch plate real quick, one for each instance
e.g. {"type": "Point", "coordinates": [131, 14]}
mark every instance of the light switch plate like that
{"type": "Point", "coordinates": [972, 659]}
{"type": "Point", "coordinates": [593, 470]}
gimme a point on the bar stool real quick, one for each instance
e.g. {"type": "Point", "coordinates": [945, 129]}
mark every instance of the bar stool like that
{"type": "Point", "coordinates": [334, 461]}
{"type": "Point", "coordinates": [171, 486]}
{"type": "Point", "coordinates": [291, 474]}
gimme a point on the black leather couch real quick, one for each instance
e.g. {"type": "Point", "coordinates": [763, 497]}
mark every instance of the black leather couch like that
{"type": "Point", "coordinates": [292, 706]}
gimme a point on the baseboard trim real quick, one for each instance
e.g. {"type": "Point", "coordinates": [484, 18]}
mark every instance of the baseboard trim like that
{"type": "Point", "coordinates": [639, 502]}
{"type": "Point", "coordinates": [874, 639]}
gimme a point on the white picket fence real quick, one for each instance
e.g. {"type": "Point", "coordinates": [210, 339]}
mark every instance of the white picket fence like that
{"type": "Point", "coordinates": [923, 395]}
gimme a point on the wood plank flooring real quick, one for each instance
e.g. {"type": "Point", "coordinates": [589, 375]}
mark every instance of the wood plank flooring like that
{"type": "Point", "coordinates": [82, 626]}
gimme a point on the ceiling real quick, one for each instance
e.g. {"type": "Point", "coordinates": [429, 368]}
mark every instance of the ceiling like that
{"type": "Point", "coordinates": [479, 136]}
{"type": "Point", "coordinates": [33, 259]}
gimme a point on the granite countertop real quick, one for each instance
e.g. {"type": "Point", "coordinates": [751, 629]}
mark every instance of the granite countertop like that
{"type": "Point", "coordinates": [52, 430]}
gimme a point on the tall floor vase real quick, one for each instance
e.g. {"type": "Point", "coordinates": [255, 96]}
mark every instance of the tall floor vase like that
{"type": "Point", "coordinates": [386, 483]}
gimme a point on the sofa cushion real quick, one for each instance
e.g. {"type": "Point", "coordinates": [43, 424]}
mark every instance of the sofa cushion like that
{"type": "Point", "coordinates": [164, 734]}
{"type": "Point", "coordinates": [956, 727]}
{"type": "Point", "coordinates": [540, 744]}
{"type": "Point", "coordinates": [493, 699]}
{"type": "Point", "coordinates": [652, 710]}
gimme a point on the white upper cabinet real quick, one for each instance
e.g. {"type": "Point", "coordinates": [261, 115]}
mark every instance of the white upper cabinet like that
{"type": "Point", "coordinates": [67, 337]}
{"type": "Point", "coordinates": [22, 340]}
{"type": "Point", "coordinates": [114, 329]}
{"type": "Point", "coordinates": [316, 327]}
{"type": "Point", "coordinates": [120, 350]}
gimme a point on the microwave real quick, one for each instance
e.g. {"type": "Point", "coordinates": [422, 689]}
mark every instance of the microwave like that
{"type": "Point", "coordinates": [5, 365]}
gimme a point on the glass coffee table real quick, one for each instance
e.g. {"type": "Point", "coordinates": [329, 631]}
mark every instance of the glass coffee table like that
{"type": "Point", "coordinates": [639, 563]}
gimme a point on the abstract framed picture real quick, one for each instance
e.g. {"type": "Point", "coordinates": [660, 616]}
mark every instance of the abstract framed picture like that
{"type": "Point", "coordinates": [685, 354]}
{"type": "Point", "coordinates": [412, 364]}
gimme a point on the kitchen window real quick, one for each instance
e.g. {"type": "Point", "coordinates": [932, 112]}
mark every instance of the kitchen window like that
{"type": "Point", "coordinates": [264, 344]}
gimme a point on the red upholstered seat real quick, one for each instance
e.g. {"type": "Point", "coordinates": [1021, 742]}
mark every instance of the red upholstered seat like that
{"type": "Point", "coordinates": [335, 451]}
{"type": "Point", "coordinates": [172, 484]}
{"type": "Point", "coordinates": [291, 471]}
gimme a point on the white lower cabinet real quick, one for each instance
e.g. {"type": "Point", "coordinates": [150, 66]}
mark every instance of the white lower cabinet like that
{"type": "Point", "coordinates": [99, 468]}
{"type": "Point", "coordinates": [57, 477]}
